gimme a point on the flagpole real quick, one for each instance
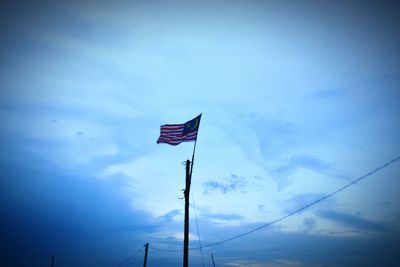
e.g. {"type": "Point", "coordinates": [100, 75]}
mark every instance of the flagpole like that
{"type": "Point", "coordinates": [186, 225]}
{"type": "Point", "coordinates": [194, 151]}
{"type": "Point", "coordinates": [189, 171]}
{"type": "Point", "coordinates": [175, 134]}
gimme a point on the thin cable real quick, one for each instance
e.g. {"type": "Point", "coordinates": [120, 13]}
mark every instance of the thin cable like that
{"type": "Point", "coordinates": [166, 250]}
{"type": "Point", "coordinates": [304, 207]}
{"type": "Point", "coordinates": [296, 211]}
{"type": "Point", "coordinates": [130, 257]}
{"type": "Point", "coordinates": [198, 232]}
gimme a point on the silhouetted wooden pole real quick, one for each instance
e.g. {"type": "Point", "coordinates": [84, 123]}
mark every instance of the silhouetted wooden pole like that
{"type": "Point", "coordinates": [52, 261]}
{"type": "Point", "coordinates": [212, 257]}
{"type": "Point", "coordinates": [189, 170]}
{"type": "Point", "coordinates": [146, 249]}
{"type": "Point", "coordinates": [186, 228]}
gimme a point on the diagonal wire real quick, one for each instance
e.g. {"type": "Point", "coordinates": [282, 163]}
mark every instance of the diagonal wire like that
{"type": "Point", "coordinates": [130, 257]}
{"type": "Point", "coordinates": [293, 212]}
{"type": "Point", "coordinates": [304, 207]}
{"type": "Point", "coordinates": [198, 232]}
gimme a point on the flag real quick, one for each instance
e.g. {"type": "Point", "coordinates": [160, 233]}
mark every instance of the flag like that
{"type": "Point", "coordinates": [174, 134]}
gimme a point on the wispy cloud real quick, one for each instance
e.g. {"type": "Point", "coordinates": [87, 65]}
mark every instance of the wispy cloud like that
{"type": "Point", "coordinates": [300, 200]}
{"type": "Point", "coordinates": [282, 172]}
{"type": "Point", "coordinates": [232, 183]}
{"type": "Point", "coordinates": [170, 216]}
{"type": "Point", "coordinates": [353, 221]}
{"type": "Point", "coordinates": [302, 161]}
{"type": "Point", "coordinates": [226, 216]}
{"type": "Point", "coordinates": [224, 219]}
{"type": "Point", "coordinates": [309, 223]}
{"type": "Point", "coordinates": [271, 134]}
{"type": "Point", "coordinates": [329, 93]}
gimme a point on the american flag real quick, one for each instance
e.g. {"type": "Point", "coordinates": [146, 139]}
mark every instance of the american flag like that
{"type": "Point", "coordinates": [174, 134]}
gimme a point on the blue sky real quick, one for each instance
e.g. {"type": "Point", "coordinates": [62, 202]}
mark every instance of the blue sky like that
{"type": "Point", "coordinates": [298, 99]}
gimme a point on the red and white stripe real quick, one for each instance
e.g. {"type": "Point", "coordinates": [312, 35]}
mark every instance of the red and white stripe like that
{"type": "Point", "coordinates": [173, 134]}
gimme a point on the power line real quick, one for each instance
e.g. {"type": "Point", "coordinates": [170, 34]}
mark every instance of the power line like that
{"type": "Point", "coordinates": [293, 212]}
{"type": "Point", "coordinates": [198, 232]}
{"type": "Point", "coordinates": [130, 257]}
